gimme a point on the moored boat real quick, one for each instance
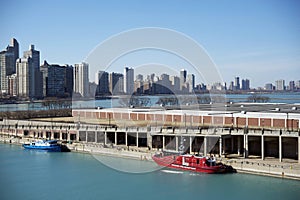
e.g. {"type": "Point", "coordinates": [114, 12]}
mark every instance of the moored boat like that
{"type": "Point", "coordinates": [47, 145]}
{"type": "Point", "coordinates": [192, 163]}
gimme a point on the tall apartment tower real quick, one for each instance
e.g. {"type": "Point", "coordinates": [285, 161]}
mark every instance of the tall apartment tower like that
{"type": "Point", "coordinates": [81, 79]}
{"type": "Point", "coordinates": [8, 59]}
{"type": "Point", "coordinates": [128, 80]}
{"type": "Point", "coordinates": [245, 84]}
{"type": "Point", "coordinates": [237, 85]}
{"type": "Point", "coordinates": [191, 82]}
{"type": "Point", "coordinates": [183, 74]}
{"type": "Point", "coordinates": [29, 76]}
{"type": "Point", "coordinates": [175, 81]}
{"type": "Point", "coordinates": [24, 77]}
{"type": "Point", "coordinates": [36, 82]}
{"type": "Point", "coordinates": [280, 84]}
{"type": "Point", "coordinates": [103, 83]}
{"type": "Point", "coordinates": [116, 83]}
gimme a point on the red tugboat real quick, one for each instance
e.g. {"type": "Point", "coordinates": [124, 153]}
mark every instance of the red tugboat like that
{"type": "Point", "coordinates": [192, 163]}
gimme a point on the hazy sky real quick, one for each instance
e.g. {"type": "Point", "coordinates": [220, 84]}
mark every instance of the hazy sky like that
{"type": "Point", "coordinates": [255, 39]}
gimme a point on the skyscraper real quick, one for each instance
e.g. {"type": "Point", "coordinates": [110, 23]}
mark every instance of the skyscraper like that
{"type": "Point", "coordinates": [25, 87]}
{"type": "Point", "coordinates": [12, 85]}
{"type": "Point", "coordinates": [36, 76]}
{"type": "Point", "coordinates": [237, 83]}
{"type": "Point", "coordinates": [269, 86]}
{"type": "Point", "coordinates": [57, 80]}
{"type": "Point", "coordinates": [191, 82]}
{"type": "Point", "coordinates": [81, 79]}
{"type": "Point", "coordinates": [128, 80]}
{"type": "Point", "coordinates": [8, 59]}
{"type": "Point", "coordinates": [280, 85]}
{"type": "Point", "coordinates": [245, 84]}
{"type": "Point", "coordinates": [292, 85]}
{"type": "Point", "coordinates": [29, 76]}
{"type": "Point", "coordinates": [116, 83]}
{"type": "Point", "coordinates": [103, 86]}
{"type": "Point", "coordinates": [69, 80]}
{"type": "Point", "coordinates": [175, 81]}
{"type": "Point", "coordinates": [182, 78]}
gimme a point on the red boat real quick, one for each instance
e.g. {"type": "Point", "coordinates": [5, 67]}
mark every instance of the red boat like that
{"type": "Point", "coordinates": [192, 163]}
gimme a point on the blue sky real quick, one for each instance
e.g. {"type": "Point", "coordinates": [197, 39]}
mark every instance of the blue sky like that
{"type": "Point", "coordinates": [257, 39]}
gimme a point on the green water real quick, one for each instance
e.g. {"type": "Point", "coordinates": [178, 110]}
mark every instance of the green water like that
{"type": "Point", "coordinates": [26, 174]}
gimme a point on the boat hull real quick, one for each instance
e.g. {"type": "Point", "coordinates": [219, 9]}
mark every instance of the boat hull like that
{"type": "Point", "coordinates": [55, 148]}
{"type": "Point", "coordinates": [169, 162]}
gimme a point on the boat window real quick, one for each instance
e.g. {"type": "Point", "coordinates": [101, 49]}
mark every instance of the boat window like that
{"type": "Point", "coordinates": [197, 161]}
{"type": "Point", "coordinates": [210, 163]}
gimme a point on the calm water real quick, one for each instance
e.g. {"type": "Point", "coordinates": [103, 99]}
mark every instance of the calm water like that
{"type": "Point", "coordinates": [291, 98]}
{"type": "Point", "coordinates": [39, 175]}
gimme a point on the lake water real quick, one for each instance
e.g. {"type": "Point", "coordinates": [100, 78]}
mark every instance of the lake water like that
{"type": "Point", "coordinates": [26, 174]}
{"type": "Point", "coordinates": [285, 97]}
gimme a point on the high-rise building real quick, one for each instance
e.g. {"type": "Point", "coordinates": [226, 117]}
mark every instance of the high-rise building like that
{"type": "Point", "coordinates": [175, 81]}
{"type": "Point", "coordinates": [191, 82]}
{"type": "Point", "coordinates": [128, 80]}
{"type": "Point", "coordinates": [29, 76]}
{"type": "Point", "coordinates": [231, 85]}
{"type": "Point", "coordinates": [57, 80]}
{"type": "Point", "coordinates": [44, 70]}
{"type": "Point", "coordinates": [8, 59]}
{"type": "Point", "coordinates": [269, 86]}
{"type": "Point", "coordinates": [183, 74]}
{"type": "Point", "coordinates": [245, 84]}
{"type": "Point", "coordinates": [139, 77]}
{"type": "Point", "coordinates": [69, 80]}
{"type": "Point", "coordinates": [280, 85]}
{"type": "Point", "coordinates": [12, 85]}
{"type": "Point", "coordinates": [292, 86]}
{"type": "Point", "coordinates": [237, 83]}
{"type": "Point", "coordinates": [116, 81]}
{"type": "Point", "coordinates": [36, 76]}
{"type": "Point", "coordinates": [25, 76]}
{"type": "Point", "coordinates": [163, 85]}
{"type": "Point", "coordinates": [298, 84]}
{"type": "Point", "coordinates": [81, 79]}
{"type": "Point", "coordinates": [103, 83]}
{"type": "Point", "coordinates": [139, 86]}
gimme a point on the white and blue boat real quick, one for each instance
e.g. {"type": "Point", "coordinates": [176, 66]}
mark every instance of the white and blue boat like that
{"type": "Point", "coordinates": [46, 145]}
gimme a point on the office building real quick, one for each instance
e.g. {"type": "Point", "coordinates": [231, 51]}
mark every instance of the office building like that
{"type": "Point", "coordinates": [81, 79]}
{"type": "Point", "coordinates": [12, 85]}
{"type": "Point", "coordinates": [102, 83]}
{"type": "Point", "coordinates": [8, 59]}
{"type": "Point", "coordinates": [191, 82]}
{"type": "Point", "coordinates": [128, 80]}
{"type": "Point", "coordinates": [183, 74]}
{"type": "Point", "coordinates": [25, 88]}
{"type": "Point", "coordinates": [292, 86]}
{"type": "Point", "coordinates": [175, 81]}
{"type": "Point", "coordinates": [245, 84]}
{"type": "Point", "coordinates": [36, 75]}
{"type": "Point", "coordinates": [116, 83]}
{"type": "Point", "coordinates": [236, 83]}
{"type": "Point", "coordinates": [269, 86]}
{"type": "Point", "coordinates": [280, 84]}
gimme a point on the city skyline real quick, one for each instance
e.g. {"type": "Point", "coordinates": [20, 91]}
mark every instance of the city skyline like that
{"type": "Point", "coordinates": [250, 39]}
{"type": "Point", "coordinates": [24, 77]}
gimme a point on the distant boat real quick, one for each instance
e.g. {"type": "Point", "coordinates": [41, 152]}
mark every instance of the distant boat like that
{"type": "Point", "coordinates": [47, 145]}
{"type": "Point", "coordinates": [192, 163]}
